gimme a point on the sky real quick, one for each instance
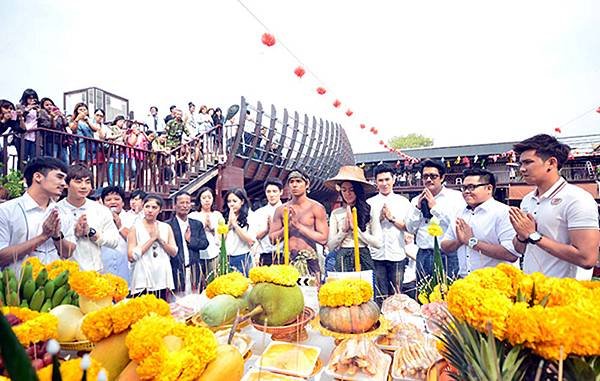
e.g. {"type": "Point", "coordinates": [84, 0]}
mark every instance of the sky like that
{"type": "Point", "coordinates": [460, 72]}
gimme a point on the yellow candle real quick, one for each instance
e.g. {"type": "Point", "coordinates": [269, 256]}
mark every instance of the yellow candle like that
{"type": "Point", "coordinates": [286, 236]}
{"type": "Point", "coordinates": [355, 235]}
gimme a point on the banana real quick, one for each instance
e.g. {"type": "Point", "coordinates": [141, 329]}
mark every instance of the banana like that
{"type": "Point", "coordinates": [28, 289]}
{"type": "Point", "coordinates": [47, 306]}
{"type": "Point", "coordinates": [49, 288]}
{"type": "Point", "coordinates": [12, 299]}
{"type": "Point", "coordinates": [59, 295]}
{"type": "Point", "coordinates": [24, 303]}
{"type": "Point", "coordinates": [41, 279]}
{"type": "Point", "coordinates": [2, 299]}
{"type": "Point", "coordinates": [12, 285]}
{"type": "Point", "coordinates": [26, 272]}
{"type": "Point", "coordinates": [37, 299]}
{"type": "Point", "coordinates": [67, 299]}
{"type": "Point", "coordinates": [61, 279]}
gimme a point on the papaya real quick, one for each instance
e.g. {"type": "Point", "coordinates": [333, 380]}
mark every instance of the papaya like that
{"type": "Point", "coordinates": [112, 354]}
{"type": "Point", "coordinates": [228, 366]}
{"type": "Point", "coordinates": [222, 309]}
{"type": "Point", "coordinates": [129, 373]}
{"type": "Point", "coordinates": [281, 304]}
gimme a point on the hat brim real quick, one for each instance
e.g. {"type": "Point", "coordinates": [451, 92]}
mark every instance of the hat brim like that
{"type": "Point", "coordinates": [333, 182]}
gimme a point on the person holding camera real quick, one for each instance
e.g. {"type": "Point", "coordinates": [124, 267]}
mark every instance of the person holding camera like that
{"type": "Point", "coordinates": [28, 109]}
{"type": "Point", "coordinates": [434, 201]}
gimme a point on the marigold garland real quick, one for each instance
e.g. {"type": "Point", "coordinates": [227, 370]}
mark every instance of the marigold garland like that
{"type": "Point", "coordinates": [71, 371]}
{"type": "Point", "coordinates": [234, 284]}
{"type": "Point", "coordinates": [57, 267]}
{"type": "Point", "coordinates": [542, 313]}
{"type": "Point", "coordinates": [284, 275]}
{"type": "Point", "coordinates": [35, 326]}
{"type": "Point", "coordinates": [345, 292]}
{"type": "Point", "coordinates": [115, 319]}
{"type": "Point", "coordinates": [96, 286]}
{"type": "Point", "coordinates": [146, 345]}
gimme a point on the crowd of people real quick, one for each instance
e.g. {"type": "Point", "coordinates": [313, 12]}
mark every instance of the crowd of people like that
{"type": "Point", "coordinates": [554, 231]}
{"type": "Point", "coordinates": [195, 132]}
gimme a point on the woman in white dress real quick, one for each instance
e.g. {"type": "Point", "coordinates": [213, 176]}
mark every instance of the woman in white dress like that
{"type": "Point", "coordinates": [240, 237]}
{"type": "Point", "coordinates": [150, 243]}
{"type": "Point", "coordinates": [209, 218]}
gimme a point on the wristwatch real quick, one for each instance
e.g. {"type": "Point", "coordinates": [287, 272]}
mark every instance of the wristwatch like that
{"type": "Point", "coordinates": [60, 236]}
{"type": "Point", "coordinates": [91, 233]}
{"type": "Point", "coordinates": [472, 242]}
{"type": "Point", "coordinates": [534, 238]}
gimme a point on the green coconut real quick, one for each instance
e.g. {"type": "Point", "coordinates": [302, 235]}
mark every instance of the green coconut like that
{"type": "Point", "coordinates": [281, 304]}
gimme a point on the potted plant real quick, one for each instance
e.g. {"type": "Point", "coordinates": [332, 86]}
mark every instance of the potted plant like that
{"type": "Point", "coordinates": [11, 185]}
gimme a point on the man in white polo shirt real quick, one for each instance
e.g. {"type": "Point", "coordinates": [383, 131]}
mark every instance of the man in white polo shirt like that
{"type": "Point", "coordinates": [482, 234]}
{"type": "Point", "coordinates": [264, 216]}
{"type": "Point", "coordinates": [557, 224]}
{"type": "Point", "coordinates": [92, 222]}
{"type": "Point", "coordinates": [30, 225]}
{"type": "Point", "coordinates": [389, 261]}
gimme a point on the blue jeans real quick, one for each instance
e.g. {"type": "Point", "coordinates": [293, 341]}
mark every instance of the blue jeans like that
{"type": "Point", "coordinates": [241, 263]}
{"type": "Point", "coordinates": [112, 169]}
{"type": "Point", "coordinates": [388, 277]}
{"type": "Point", "coordinates": [425, 265]}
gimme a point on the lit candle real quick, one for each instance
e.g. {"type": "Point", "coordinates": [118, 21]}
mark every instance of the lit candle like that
{"type": "Point", "coordinates": [286, 236]}
{"type": "Point", "coordinates": [355, 235]}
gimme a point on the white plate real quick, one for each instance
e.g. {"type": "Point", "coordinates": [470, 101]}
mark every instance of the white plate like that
{"type": "Point", "coordinates": [292, 372]}
{"type": "Point", "coordinates": [383, 369]}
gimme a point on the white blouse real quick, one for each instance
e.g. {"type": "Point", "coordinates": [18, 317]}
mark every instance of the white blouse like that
{"type": "Point", "coordinates": [212, 251]}
{"type": "Point", "coordinates": [339, 238]}
{"type": "Point", "coordinates": [152, 272]}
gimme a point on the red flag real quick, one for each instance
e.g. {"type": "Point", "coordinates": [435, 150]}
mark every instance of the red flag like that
{"type": "Point", "coordinates": [557, 130]}
{"type": "Point", "coordinates": [363, 126]}
{"type": "Point", "coordinates": [349, 112]}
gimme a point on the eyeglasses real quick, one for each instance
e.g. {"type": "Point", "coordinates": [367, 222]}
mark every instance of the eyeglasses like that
{"type": "Point", "coordinates": [431, 176]}
{"type": "Point", "coordinates": [471, 187]}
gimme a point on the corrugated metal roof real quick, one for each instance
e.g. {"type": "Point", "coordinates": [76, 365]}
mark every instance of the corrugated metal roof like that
{"type": "Point", "coordinates": [582, 143]}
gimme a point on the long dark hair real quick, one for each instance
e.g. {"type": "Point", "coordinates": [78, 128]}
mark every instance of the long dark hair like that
{"type": "Point", "coordinates": [209, 190]}
{"type": "Point", "coordinates": [244, 209]}
{"type": "Point", "coordinates": [26, 94]}
{"type": "Point", "coordinates": [363, 209]}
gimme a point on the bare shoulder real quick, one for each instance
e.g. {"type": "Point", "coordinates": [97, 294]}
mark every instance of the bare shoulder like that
{"type": "Point", "coordinates": [316, 206]}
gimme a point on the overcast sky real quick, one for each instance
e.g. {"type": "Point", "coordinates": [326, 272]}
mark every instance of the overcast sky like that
{"type": "Point", "coordinates": [461, 72]}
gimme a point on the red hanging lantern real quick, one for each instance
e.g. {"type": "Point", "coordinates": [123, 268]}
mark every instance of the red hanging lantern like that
{"type": "Point", "coordinates": [557, 130]}
{"type": "Point", "coordinates": [362, 126]}
{"type": "Point", "coordinates": [337, 103]}
{"type": "Point", "coordinates": [321, 90]}
{"type": "Point", "coordinates": [598, 110]}
{"type": "Point", "coordinates": [375, 131]}
{"type": "Point", "coordinates": [299, 71]}
{"type": "Point", "coordinates": [268, 39]}
{"type": "Point", "coordinates": [349, 112]}
{"type": "Point", "coordinates": [381, 142]}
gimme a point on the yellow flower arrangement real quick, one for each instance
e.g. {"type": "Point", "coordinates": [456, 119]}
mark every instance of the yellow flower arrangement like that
{"type": "Point", "coordinates": [542, 313]}
{"type": "Point", "coordinates": [36, 265]}
{"type": "Point", "coordinates": [71, 371]}
{"type": "Point", "coordinates": [57, 267]}
{"type": "Point", "coordinates": [115, 319]}
{"type": "Point", "coordinates": [345, 292]}
{"type": "Point", "coordinates": [222, 228]}
{"type": "Point", "coordinates": [35, 326]}
{"type": "Point", "coordinates": [234, 284]}
{"type": "Point", "coordinates": [167, 350]}
{"type": "Point", "coordinates": [96, 286]}
{"type": "Point", "coordinates": [284, 275]}
{"type": "Point", "coordinates": [438, 294]}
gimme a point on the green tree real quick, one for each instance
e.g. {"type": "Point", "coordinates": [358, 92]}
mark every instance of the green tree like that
{"type": "Point", "coordinates": [410, 141]}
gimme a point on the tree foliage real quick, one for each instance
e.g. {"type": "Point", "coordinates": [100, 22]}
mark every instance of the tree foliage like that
{"type": "Point", "coordinates": [410, 141]}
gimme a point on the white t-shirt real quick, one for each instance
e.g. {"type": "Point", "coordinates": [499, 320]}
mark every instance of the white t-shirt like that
{"type": "Point", "coordinates": [392, 248]}
{"type": "Point", "coordinates": [490, 223]}
{"type": "Point", "coordinates": [261, 219]}
{"type": "Point", "coordinates": [562, 208]}
{"type": "Point", "coordinates": [234, 244]}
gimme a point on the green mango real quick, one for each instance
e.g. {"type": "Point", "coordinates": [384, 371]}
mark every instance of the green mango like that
{"type": "Point", "coordinates": [281, 304]}
{"type": "Point", "coordinates": [222, 309]}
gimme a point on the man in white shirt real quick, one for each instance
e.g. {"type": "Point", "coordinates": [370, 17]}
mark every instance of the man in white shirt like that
{"type": "Point", "coordinates": [557, 224]}
{"type": "Point", "coordinates": [155, 123]}
{"type": "Point", "coordinates": [264, 216]}
{"type": "Point", "coordinates": [482, 233]}
{"type": "Point", "coordinates": [136, 205]}
{"type": "Point", "coordinates": [434, 201]}
{"type": "Point", "coordinates": [30, 225]}
{"type": "Point", "coordinates": [115, 261]}
{"type": "Point", "coordinates": [389, 261]}
{"type": "Point", "coordinates": [93, 222]}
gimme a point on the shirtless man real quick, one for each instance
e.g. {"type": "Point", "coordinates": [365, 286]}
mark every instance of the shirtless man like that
{"type": "Point", "coordinates": [307, 224]}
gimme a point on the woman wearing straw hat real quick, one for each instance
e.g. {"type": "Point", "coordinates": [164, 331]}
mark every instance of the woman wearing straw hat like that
{"type": "Point", "coordinates": [353, 187]}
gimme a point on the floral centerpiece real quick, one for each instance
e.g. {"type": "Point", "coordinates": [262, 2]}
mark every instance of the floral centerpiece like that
{"type": "Point", "coordinates": [167, 350]}
{"type": "Point", "coordinates": [234, 284]}
{"type": "Point", "coordinates": [435, 287]}
{"type": "Point", "coordinates": [521, 322]}
{"type": "Point", "coordinates": [97, 290]}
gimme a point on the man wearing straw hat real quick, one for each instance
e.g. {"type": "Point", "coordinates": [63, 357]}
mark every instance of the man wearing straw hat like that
{"type": "Point", "coordinates": [307, 225]}
{"type": "Point", "coordinates": [391, 209]}
{"type": "Point", "coordinates": [350, 182]}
